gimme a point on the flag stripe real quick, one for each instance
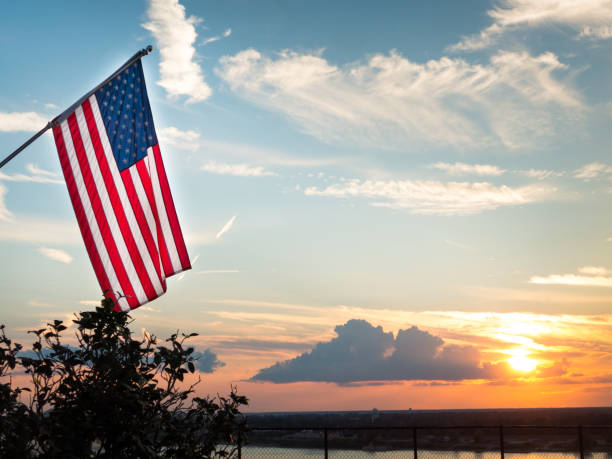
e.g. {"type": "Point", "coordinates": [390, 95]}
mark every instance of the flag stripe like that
{"type": "Point", "coordinates": [146, 251]}
{"type": "Point", "coordinates": [145, 220]}
{"type": "Point", "coordinates": [163, 216]}
{"type": "Point", "coordinates": [145, 178]}
{"type": "Point", "coordinates": [171, 210]}
{"type": "Point", "coordinates": [105, 217]}
{"type": "Point", "coordinates": [79, 194]}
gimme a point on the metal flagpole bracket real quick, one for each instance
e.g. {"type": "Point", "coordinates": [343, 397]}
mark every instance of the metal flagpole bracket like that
{"type": "Point", "coordinates": [62, 116]}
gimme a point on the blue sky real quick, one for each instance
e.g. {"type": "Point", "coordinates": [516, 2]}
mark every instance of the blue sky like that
{"type": "Point", "coordinates": [443, 165]}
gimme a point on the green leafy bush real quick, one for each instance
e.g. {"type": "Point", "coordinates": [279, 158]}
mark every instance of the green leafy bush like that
{"type": "Point", "coordinates": [112, 396]}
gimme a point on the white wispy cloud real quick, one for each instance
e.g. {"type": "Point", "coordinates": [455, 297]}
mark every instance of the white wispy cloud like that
{"type": "Point", "coordinates": [40, 304]}
{"type": "Point", "coordinates": [588, 276]}
{"type": "Point", "coordinates": [514, 99]}
{"type": "Point", "coordinates": [184, 140]}
{"type": "Point", "coordinates": [175, 34]}
{"type": "Point", "coordinates": [35, 170]}
{"type": "Point", "coordinates": [90, 302]}
{"type": "Point", "coordinates": [5, 214]}
{"type": "Point", "coordinates": [434, 197]}
{"type": "Point", "coordinates": [592, 170]}
{"type": "Point", "coordinates": [37, 230]}
{"type": "Point", "coordinates": [218, 271]}
{"type": "Point", "coordinates": [38, 175]}
{"type": "Point", "coordinates": [50, 105]}
{"type": "Point", "coordinates": [225, 34]}
{"type": "Point", "coordinates": [540, 174]}
{"type": "Point", "coordinates": [458, 244]}
{"type": "Point", "coordinates": [241, 170]}
{"type": "Point", "coordinates": [56, 254]}
{"type": "Point", "coordinates": [262, 154]}
{"type": "Point", "coordinates": [22, 121]}
{"type": "Point", "coordinates": [211, 40]}
{"type": "Point", "coordinates": [589, 19]}
{"type": "Point", "coordinates": [194, 260]}
{"type": "Point", "coordinates": [226, 227]}
{"type": "Point", "coordinates": [468, 169]}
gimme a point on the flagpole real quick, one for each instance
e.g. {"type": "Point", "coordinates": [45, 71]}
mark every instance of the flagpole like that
{"type": "Point", "coordinates": [62, 117]}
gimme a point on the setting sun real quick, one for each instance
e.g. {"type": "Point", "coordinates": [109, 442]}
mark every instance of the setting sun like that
{"type": "Point", "coordinates": [522, 363]}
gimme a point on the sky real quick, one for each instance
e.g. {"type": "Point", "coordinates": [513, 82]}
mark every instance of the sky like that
{"type": "Point", "coordinates": [386, 204]}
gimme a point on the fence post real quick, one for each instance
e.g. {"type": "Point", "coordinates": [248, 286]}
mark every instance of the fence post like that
{"type": "Point", "coordinates": [414, 442]}
{"type": "Point", "coordinates": [239, 445]}
{"type": "Point", "coordinates": [580, 442]}
{"type": "Point", "coordinates": [325, 440]}
{"type": "Point", "coordinates": [501, 441]}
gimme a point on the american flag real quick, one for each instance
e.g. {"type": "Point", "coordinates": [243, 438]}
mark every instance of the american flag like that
{"type": "Point", "coordinates": [119, 190]}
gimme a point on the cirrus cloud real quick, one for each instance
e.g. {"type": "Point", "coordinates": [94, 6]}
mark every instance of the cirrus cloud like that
{"type": "Point", "coordinates": [514, 99]}
{"type": "Point", "coordinates": [434, 197]}
{"type": "Point", "coordinates": [240, 170]}
{"type": "Point", "coordinates": [56, 254]}
{"type": "Point", "coordinates": [589, 18]}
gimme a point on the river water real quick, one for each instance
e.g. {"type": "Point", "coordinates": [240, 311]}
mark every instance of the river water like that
{"type": "Point", "coordinates": [255, 452]}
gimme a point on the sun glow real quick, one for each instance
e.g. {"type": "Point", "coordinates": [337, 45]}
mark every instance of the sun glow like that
{"type": "Point", "coordinates": [522, 363]}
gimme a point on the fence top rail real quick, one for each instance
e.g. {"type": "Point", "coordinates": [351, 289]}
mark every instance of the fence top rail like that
{"type": "Point", "coordinates": [429, 427]}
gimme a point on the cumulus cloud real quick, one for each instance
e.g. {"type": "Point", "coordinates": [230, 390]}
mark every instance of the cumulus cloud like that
{"type": "Point", "coordinates": [362, 352]}
{"type": "Point", "coordinates": [588, 18]}
{"type": "Point", "coordinates": [436, 198]}
{"type": "Point", "coordinates": [56, 254]}
{"type": "Point", "coordinates": [184, 140]}
{"type": "Point", "coordinates": [468, 169]}
{"type": "Point", "coordinates": [240, 170]}
{"type": "Point", "coordinates": [226, 227]}
{"type": "Point", "coordinates": [207, 361]}
{"type": "Point", "coordinates": [175, 34]}
{"type": "Point", "coordinates": [588, 276]}
{"type": "Point", "coordinates": [21, 121]}
{"type": "Point", "coordinates": [514, 99]}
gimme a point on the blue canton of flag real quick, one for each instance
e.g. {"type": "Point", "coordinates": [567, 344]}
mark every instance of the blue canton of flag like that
{"type": "Point", "coordinates": [125, 109]}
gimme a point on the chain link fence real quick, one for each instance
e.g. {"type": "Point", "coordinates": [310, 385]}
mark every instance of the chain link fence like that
{"type": "Point", "coordinates": [429, 442]}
